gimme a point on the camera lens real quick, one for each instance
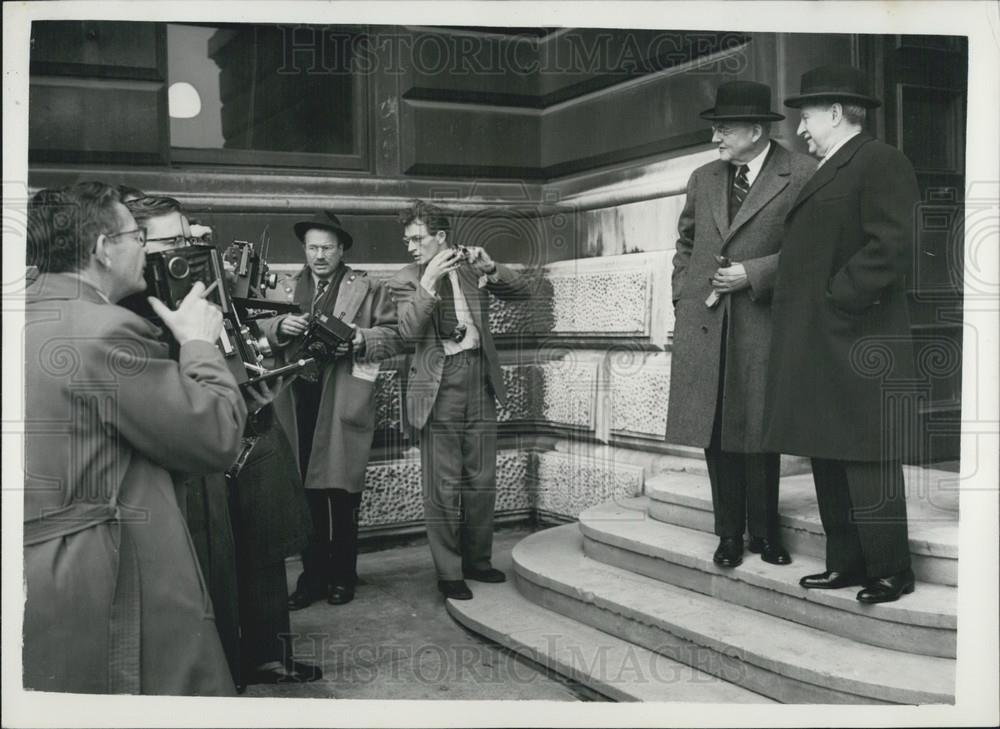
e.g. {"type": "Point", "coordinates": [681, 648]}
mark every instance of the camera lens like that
{"type": "Point", "coordinates": [178, 267]}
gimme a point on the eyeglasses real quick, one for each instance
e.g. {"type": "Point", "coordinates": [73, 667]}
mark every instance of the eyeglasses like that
{"type": "Point", "coordinates": [139, 233]}
{"type": "Point", "coordinates": [723, 130]}
{"type": "Point", "coordinates": [176, 240]}
{"type": "Point", "coordinates": [415, 239]}
{"type": "Point", "coordinates": [322, 249]}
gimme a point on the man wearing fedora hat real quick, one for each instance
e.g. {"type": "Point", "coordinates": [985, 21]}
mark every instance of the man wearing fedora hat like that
{"type": "Point", "coordinates": [723, 273]}
{"type": "Point", "coordinates": [332, 420]}
{"type": "Point", "coordinates": [841, 354]}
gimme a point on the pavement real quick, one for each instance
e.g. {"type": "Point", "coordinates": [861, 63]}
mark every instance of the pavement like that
{"type": "Point", "coordinates": [395, 640]}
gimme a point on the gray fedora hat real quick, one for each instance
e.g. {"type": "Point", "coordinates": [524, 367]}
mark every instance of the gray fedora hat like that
{"type": "Point", "coordinates": [742, 101]}
{"type": "Point", "coordinates": [324, 220]}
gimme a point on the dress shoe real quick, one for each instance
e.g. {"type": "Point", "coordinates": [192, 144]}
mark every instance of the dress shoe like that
{"type": "Point", "coordinates": [490, 574]}
{"type": "Point", "coordinates": [831, 580]}
{"type": "Point", "coordinates": [340, 595]}
{"type": "Point", "coordinates": [729, 552]}
{"type": "Point", "coordinates": [888, 589]}
{"type": "Point", "coordinates": [769, 550]}
{"type": "Point", "coordinates": [455, 589]}
{"type": "Point", "coordinates": [288, 672]}
{"type": "Point", "coordinates": [301, 599]}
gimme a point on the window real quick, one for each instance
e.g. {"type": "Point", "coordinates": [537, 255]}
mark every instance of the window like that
{"type": "Point", "coordinates": [265, 94]}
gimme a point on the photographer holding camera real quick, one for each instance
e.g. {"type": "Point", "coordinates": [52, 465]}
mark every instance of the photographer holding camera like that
{"type": "Point", "coordinates": [454, 377]}
{"type": "Point", "coordinates": [333, 420]}
{"type": "Point", "coordinates": [115, 599]}
{"type": "Point", "coordinates": [245, 525]}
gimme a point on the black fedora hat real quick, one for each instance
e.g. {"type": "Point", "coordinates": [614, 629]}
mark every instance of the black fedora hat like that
{"type": "Point", "coordinates": [834, 83]}
{"type": "Point", "coordinates": [742, 101]}
{"type": "Point", "coordinates": [324, 220]}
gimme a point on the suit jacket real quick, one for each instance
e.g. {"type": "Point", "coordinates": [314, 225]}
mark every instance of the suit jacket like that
{"type": "Point", "coordinates": [841, 353]}
{"type": "Point", "coordinates": [416, 307]}
{"type": "Point", "coordinates": [752, 238]}
{"type": "Point", "coordinates": [108, 414]}
{"type": "Point", "coordinates": [346, 421]}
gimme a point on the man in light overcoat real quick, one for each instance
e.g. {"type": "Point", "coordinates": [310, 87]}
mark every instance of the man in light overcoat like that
{"type": "Point", "coordinates": [332, 421]}
{"type": "Point", "coordinates": [723, 273]}
{"type": "Point", "coordinates": [116, 602]}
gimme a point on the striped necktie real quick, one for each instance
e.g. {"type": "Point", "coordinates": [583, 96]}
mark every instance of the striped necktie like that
{"type": "Point", "coordinates": [320, 289]}
{"type": "Point", "coordinates": [741, 186]}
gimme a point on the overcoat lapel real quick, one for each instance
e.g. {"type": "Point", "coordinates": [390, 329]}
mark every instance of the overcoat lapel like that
{"type": "Point", "coordinates": [825, 174]}
{"type": "Point", "coordinates": [719, 194]}
{"type": "Point", "coordinates": [303, 290]}
{"type": "Point", "coordinates": [773, 178]}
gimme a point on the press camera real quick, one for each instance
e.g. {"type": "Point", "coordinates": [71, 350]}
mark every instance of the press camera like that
{"type": "Point", "coordinates": [171, 274]}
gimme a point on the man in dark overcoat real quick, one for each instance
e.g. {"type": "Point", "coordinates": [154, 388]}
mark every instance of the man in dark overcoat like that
{"type": "Point", "coordinates": [734, 210]}
{"type": "Point", "coordinates": [841, 354]}
{"type": "Point", "coordinates": [332, 421]}
{"type": "Point", "coordinates": [243, 525]}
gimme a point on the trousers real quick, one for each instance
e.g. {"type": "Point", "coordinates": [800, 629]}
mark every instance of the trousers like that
{"type": "Point", "coordinates": [863, 509]}
{"type": "Point", "coordinates": [458, 446]}
{"type": "Point", "coordinates": [331, 558]}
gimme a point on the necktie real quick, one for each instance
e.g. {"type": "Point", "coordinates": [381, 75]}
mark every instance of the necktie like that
{"type": "Point", "coordinates": [447, 317]}
{"type": "Point", "coordinates": [320, 289]}
{"type": "Point", "coordinates": [741, 186]}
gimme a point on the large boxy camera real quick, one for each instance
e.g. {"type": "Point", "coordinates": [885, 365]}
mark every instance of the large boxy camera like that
{"type": "Point", "coordinates": [171, 274]}
{"type": "Point", "coordinates": [251, 274]}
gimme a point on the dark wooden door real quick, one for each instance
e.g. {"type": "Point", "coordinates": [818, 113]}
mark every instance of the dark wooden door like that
{"type": "Point", "coordinates": [922, 82]}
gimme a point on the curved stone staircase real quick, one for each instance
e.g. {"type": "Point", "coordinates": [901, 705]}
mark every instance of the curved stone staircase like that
{"type": "Point", "coordinates": [629, 602]}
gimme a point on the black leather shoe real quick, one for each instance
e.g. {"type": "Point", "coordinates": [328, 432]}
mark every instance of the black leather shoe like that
{"type": "Point", "coordinates": [289, 672]}
{"type": "Point", "coordinates": [729, 552]}
{"type": "Point", "coordinates": [831, 580]}
{"type": "Point", "coordinates": [769, 551]}
{"type": "Point", "coordinates": [488, 575]}
{"type": "Point", "coordinates": [340, 595]}
{"type": "Point", "coordinates": [888, 589]}
{"type": "Point", "coordinates": [301, 599]}
{"type": "Point", "coordinates": [455, 589]}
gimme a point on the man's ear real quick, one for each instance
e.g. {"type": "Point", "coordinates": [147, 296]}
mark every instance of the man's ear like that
{"type": "Point", "coordinates": [836, 112]}
{"type": "Point", "coordinates": [102, 248]}
{"type": "Point", "coordinates": [441, 236]}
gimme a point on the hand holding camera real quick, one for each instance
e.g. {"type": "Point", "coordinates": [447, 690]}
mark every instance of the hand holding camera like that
{"type": "Point", "coordinates": [441, 265]}
{"type": "Point", "coordinates": [195, 318]}
{"type": "Point", "coordinates": [294, 325]}
{"type": "Point", "coordinates": [479, 260]}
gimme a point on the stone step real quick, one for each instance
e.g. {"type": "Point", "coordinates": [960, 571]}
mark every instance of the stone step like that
{"type": "Point", "coordinates": [783, 660]}
{"type": "Point", "coordinates": [685, 499]}
{"type": "Point", "coordinates": [608, 665]}
{"type": "Point", "coordinates": [623, 535]}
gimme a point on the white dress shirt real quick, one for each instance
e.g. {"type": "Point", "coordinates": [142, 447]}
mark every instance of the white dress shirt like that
{"type": "Point", "coordinates": [464, 315]}
{"type": "Point", "coordinates": [755, 165]}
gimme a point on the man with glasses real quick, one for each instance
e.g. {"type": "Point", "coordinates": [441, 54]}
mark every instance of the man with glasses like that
{"type": "Point", "coordinates": [454, 377]}
{"type": "Point", "coordinates": [166, 225]}
{"type": "Point", "coordinates": [242, 531]}
{"type": "Point", "coordinates": [115, 602]}
{"type": "Point", "coordinates": [723, 274]}
{"type": "Point", "coordinates": [333, 420]}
